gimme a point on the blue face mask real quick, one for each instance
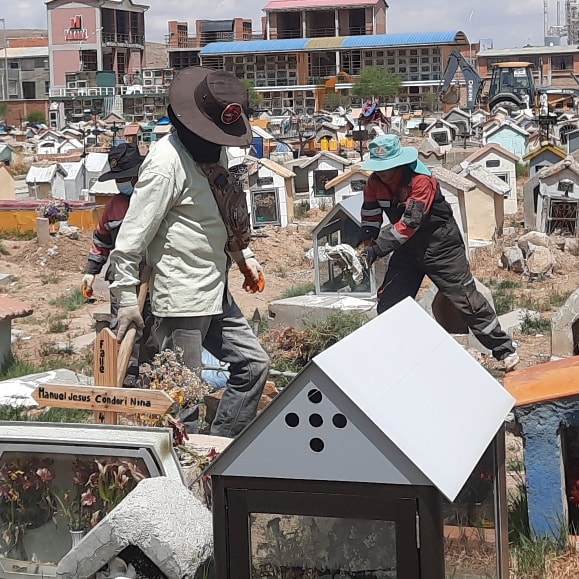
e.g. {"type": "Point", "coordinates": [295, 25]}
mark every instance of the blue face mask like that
{"type": "Point", "coordinates": [125, 188]}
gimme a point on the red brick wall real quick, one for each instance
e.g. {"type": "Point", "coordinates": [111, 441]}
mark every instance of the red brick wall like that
{"type": "Point", "coordinates": [26, 42]}
{"type": "Point", "coordinates": [18, 110]}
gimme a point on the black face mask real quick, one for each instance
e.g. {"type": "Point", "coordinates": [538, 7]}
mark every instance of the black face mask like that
{"type": "Point", "coordinates": [201, 150]}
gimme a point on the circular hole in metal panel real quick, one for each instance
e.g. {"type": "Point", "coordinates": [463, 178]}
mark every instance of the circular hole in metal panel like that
{"type": "Point", "coordinates": [316, 420]}
{"type": "Point", "coordinates": [292, 419]}
{"type": "Point", "coordinates": [317, 444]}
{"type": "Point", "coordinates": [339, 421]}
{"type": "Point", "coordinates": [314, 396]}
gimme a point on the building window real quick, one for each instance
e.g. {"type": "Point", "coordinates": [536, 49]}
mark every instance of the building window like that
{"type": "Point", "coordinates": [493, 163]}
{"type": "Point", "coordinates": [29, 90]}
{"type": "Point", "coordinates": [46, 86]}
{"type": "Point", "coordinates": [14, 65]}
{"type": "Point", "coordinates": [89, 60]}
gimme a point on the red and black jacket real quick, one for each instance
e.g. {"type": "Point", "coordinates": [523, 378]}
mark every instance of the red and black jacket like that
{"type": "Point", "coordinates": [419, 204]}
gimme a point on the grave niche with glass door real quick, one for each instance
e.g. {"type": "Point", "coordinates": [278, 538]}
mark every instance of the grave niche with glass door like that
{"type": "Point", "coordinates": [342, 226]}
{"type": "Point", "coordinates": [341, 476]}
{"type": "Point", "coordinates": [58, 480]}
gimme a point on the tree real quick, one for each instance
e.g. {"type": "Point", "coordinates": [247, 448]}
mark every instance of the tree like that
{"type": "Point", "coordinates": [333, 100]}
{"type": "Point", "coordinates": [36, 117]}
{"type": "Point", "coordinates": [377, 83]}
{"type": "Point", "coordinates": [255, 97]}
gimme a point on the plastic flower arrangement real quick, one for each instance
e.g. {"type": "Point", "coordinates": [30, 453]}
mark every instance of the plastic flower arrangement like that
{"type": "Point", "coordinates": [70, 503]}
{"type": "Point", "coordinates": [25, 499]}
{"type": "Point", "coordinates": [55, 210]}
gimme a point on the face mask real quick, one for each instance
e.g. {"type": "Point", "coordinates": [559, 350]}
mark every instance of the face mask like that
{"type": "Point", "coordinates": [125, 188]}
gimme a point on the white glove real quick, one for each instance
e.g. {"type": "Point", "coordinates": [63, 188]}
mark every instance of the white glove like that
{"type": "Point", "coordinates": [126, 316]}
{"type": "Point", "coordinates": [251, 267]}
{"type": "Point", "coordinates": [88, 280]}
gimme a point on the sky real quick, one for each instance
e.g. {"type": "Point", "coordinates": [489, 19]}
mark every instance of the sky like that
{"type": "Point", "coordinates": [509, 23]}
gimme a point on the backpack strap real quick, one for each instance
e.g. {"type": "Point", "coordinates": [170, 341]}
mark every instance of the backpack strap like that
{"type": "Point", "coordinates": [232, 204]}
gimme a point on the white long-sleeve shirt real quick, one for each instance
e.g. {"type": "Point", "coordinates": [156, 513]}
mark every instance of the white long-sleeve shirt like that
{"type": "Point", "coordinates": [174, 217]}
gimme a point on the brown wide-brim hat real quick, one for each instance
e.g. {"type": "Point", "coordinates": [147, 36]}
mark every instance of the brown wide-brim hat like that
{"type": "Point", "coordinates": [211, 104]}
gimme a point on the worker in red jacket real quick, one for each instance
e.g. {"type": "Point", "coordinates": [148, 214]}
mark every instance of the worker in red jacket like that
{"type": "Point", "coordinates": [422, 239]}
{"type": "Point", "coordinates": [124, 162]}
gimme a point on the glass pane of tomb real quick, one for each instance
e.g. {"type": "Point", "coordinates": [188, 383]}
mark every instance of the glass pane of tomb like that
{"type": "Point", "coordinates": [308, 547]}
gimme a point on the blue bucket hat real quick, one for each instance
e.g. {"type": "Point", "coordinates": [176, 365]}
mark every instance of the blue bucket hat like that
{"type": "Point", "coordinates": [386, 152]}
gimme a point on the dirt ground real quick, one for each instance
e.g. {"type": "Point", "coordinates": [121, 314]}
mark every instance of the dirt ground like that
{"type": "Point", "coordinates": [44, 276]}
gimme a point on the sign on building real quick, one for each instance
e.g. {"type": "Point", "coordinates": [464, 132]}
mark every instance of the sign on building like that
{"type": "Point", "coordinates": [75, 32]}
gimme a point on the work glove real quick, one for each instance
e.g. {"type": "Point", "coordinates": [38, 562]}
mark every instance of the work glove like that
{"type": "Point", "coordinates": [366, 236]}
{"type": "Point", "coordinates": [86, 284]}
{"type": "Point", "coordinates": [371, 254]}
{"type": "Point", "coordinates": [126, 316]}
{"type": "Point", "coordinates": [254, 280]}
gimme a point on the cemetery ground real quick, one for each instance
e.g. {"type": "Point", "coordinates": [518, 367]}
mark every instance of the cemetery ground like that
{"type": "Point", "coordinates": [48, 278]}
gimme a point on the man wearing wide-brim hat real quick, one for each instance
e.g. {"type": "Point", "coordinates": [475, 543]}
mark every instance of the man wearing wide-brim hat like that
{"type": "Point", "coordinates": [423, 238]}
{"type": "Point", "coordinates": [180, 214]}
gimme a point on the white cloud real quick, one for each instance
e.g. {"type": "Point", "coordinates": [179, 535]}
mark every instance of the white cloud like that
{"type": "Point", "coordinates": [508, 22]}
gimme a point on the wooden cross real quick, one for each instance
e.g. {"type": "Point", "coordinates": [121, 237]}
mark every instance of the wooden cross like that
{"type": "Point", "coordinates": [106, 401]}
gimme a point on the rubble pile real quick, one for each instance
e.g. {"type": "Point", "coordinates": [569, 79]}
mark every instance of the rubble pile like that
{"type": "Point", "coordinates": [534, 255]}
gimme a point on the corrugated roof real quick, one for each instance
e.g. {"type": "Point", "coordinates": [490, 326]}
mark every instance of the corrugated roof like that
{"type": "Point", "coordinates": [328, 42]}
{"type": "Point", "coordinates": [352, 172]}
{"type": "Point", "coordinates": [43, 174]}
{"type": "Point", "coordinates": [72, 170]}
{"type": "Point", "coordinates": [279, 45]}
{"type": "Point", "coordinates": [452, 179]}
{"type": "Point", "coordinates": [488, 148]}
{"type": "Point", "coordinates": [259, 132]}
{"type": "Point", "coordinates": [488, 179]}
{"type": "Point", "coordinates": [404, 38]}
{"type": "Point", "coordinates": [363, 41]}
{"type": "Point", "coordinates": [526, 51]}
{"type": "Point", "coordinates": [310, 4]}
{"type": "Point", "coordinates": [567, 163]}
{"type": "Point", "coordinates": [309, 160]}
{"type": "Point", "coordinates": [96, 162]}
{"type": "Point", "coordinates": [27, 52]}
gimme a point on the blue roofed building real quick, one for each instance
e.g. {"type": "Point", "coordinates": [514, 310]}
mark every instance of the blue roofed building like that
{"type": "Point", "coordinates": [308, 48]}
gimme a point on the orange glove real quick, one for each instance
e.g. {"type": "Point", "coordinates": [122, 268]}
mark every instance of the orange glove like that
{"type": "Point", "coordinates": [254, 280]}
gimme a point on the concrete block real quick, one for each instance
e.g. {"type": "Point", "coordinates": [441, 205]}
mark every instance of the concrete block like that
{"type": "Point", "coordinates": [295, 311]}
{"type": "Point", "coordinates": [162, 518]}
{"type": "Point", "coordinates": [565, 328]}
{"type": "Point", "coordinates": [513, 321]}
{"type": "Point", "coordinates": [43, 230]}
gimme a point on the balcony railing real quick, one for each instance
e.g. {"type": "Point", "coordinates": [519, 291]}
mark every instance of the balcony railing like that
{"type": "Point", "coordinates": [181, 41]}
{"type": "Point", "coordinates": [289, 33]}
{"type": "Point", "coordinates": [320, 32]}
{"type": "Point", "coordinates": [125, 39]}
{"type": "Point", "coordinates": [105, 91]}
{"type": "Point", "coordinates": [89, 91]}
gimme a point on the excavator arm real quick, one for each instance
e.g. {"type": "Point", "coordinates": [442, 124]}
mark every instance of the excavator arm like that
{"type": "Point", "coordinates": [450, 93]}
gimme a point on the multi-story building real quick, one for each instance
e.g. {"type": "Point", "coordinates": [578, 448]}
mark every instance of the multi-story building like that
{"type": "Point", "coordinates": [28, 72]}
{"type": "Point", "coordinates": [310, 48]}
{"type": "Point", "coordinates": [97, 58]}
{"type": "Point", "coordinates": [324, 18]}
{"type": "Point", "coordinates": [296, 73]}
{"type": "Point", "coordinates": [184, 48]}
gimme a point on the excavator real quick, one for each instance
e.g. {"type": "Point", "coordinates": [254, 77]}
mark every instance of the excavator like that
{"type": "Point", "coordinates": [512, 86]}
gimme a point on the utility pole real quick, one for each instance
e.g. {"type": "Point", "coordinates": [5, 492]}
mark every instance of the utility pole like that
{"type": "Point", "coordinates": [5, 83]}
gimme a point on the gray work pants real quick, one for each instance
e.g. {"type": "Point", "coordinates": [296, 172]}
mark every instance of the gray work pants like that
{"type": "Point", "coordinates": [230, 339]}
{"type": "Point", "coordinates": [441, 255]}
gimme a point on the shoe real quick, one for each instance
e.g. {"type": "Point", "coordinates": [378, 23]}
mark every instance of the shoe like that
{"type": "Point", "coordinates": [511, 362]}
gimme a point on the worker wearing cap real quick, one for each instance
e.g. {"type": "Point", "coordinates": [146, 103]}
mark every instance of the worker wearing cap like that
{"type": "Point", "coordinates": [422, 239]}
{"type": "Point", "coordinates": [174, 216]}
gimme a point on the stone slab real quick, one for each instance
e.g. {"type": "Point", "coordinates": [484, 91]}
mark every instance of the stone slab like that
{"type": "Point", "coordinates": [294, 311]}
{"type": "Point", "coordinates": [513, 321]}
{"type": "Point", "coordinates": [5, 279]}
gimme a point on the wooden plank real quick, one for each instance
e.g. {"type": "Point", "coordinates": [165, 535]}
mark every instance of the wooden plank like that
{"type": "Point", "coordinates": [105, 369]}
{"type": "Point", "coordinates": [128, 342]}
{"type": "Point", "coordinates": [102, 399]}
{"type": "Point", "coordinates": [543, 382]}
